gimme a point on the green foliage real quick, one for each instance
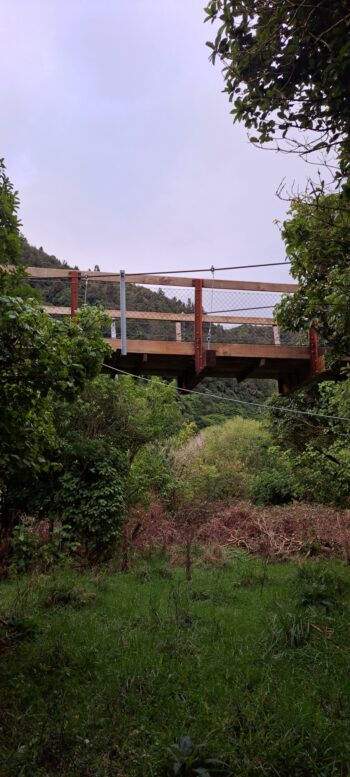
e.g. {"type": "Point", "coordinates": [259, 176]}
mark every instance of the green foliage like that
{"type": "Point", "coordinates": [105, 689]}
{"type": "Point", "coordinates": [317, 448]}
{"type": "Point", "coordinates": [151, 473]}
{"type": "Point", "coordinates": [288, 630]}
{"type": "Point", "coordinates": [25, 547]}
{"type": "Point", "coordinates": [90, 495]}
{"type": "Point", "coordinates": [10, 245]}
{"type": "Point", "coordinates": [40, 359]}
{"type": "Point", "coordinates": [63, 592]}
{"type": "Point", "coordinates": [29, 551]}
{"type": "Point", "coordinates": [221, 461]}
{"type": "Point", "coordinates": [319, 587]}
{"type": "Point", "coordinates": [273, 487]}
{"type": "Point", "coordinates": [286, 68]}
{"type": "Point", "coordinates": [210, 410]}
{"type": "Point", "coordinates": [317, 239]}
{"type": "Point", "coordinates": [189, 760]}
{"type": "Point", "coordinates": [88, 486]}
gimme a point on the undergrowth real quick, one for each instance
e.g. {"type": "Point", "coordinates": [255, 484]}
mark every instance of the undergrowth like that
{"type": "Point", "coordinates": [145, 675]}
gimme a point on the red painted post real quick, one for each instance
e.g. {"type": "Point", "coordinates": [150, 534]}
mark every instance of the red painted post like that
{"type": "Point", "coordinates": [74, 287]}
{"type": "Point", "coordinates": [313, 347]}
{"type": "Point", "coordinates": [198, 325]}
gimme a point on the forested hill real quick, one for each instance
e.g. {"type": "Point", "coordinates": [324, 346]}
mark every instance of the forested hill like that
{"type": "Point", "coordinates": [37, 257]}
{"type": "Point", "coordinates": [204, 410]}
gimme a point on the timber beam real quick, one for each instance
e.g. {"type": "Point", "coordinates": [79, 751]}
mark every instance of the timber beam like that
{"type": "Point", "coordinates": [250, 368]}
{"type": "Point", "coordinates": [190, 378]}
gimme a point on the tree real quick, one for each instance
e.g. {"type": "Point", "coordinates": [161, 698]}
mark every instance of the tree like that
{"type": "Point", "coordinates": [287, 69]}
{"type": "Point", "coordinates": [287, 72]}
{"type": "Point", "coordinates": [10, 243]}
{"type": "Point", "coordinates": [40, 360]}
{"type": "Point", "coordinates": [319, 446]}
{"type": "Point", "coordinates": [97, 439]}
{"type": "Point", "coordinates": [317, 239]}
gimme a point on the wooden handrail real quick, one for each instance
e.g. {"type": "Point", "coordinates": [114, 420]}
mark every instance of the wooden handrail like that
{"type": "Point", "coordinates": [164, 280]}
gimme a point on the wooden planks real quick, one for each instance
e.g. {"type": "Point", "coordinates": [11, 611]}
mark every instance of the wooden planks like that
{"type": "Point", "coordinates": [241, 350]}
{"type": "Point", "coordinates": [161, 347]}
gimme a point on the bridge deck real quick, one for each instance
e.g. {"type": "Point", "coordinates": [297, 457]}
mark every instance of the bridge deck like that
{"type": "Point", "coordinates": [289, 365]}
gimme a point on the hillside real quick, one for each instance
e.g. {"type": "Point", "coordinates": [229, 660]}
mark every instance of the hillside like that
{"type": "Point", "coordinates": [203, 410]}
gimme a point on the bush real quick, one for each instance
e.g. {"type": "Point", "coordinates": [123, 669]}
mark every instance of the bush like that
{"type": "Point", "coordinates": [218, 464]}
{"type": "Point", "coordinates": [29, 550]}
{"type": "Point", "coordinates": [91, 497]}
{"type": "Point", "coordinates": [273, 488]}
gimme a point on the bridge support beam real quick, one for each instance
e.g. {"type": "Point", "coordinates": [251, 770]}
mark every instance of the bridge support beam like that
{"type": "Point", "coordinates": [74, 291]}
{"type": "Point", "coordinates": [198, 325]}
{"type": "Point", "coordinates": [191, 377]}
{"type": "Point", "coordinates": [250, 368]}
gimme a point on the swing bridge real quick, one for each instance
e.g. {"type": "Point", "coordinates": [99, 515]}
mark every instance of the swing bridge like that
{"type": "Point", "coordinates": [191, 328]}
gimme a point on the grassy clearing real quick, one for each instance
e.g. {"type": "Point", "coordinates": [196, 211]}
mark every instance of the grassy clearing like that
{"type": "Point", "coordinates": [101, 675]}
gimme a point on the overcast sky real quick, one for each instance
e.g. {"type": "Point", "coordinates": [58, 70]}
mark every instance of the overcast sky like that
{"type": "Point", "coordinates": [117, 135]}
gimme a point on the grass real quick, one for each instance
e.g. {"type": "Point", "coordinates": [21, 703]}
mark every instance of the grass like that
{"type": "Point", "coordinates": [104, 676]}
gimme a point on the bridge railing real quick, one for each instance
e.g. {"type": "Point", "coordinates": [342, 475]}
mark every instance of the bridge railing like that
{"type": "Point", "coordinates": [179, 308]}
{"type": "Point", "coordinates": [197, 316]}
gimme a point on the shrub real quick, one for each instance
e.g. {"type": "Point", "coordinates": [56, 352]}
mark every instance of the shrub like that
{"type": "Point", "coordinates": [271, 487]}
{"type": "Point", "coordinates": [29, 550]}
{"type": "Point", "coordinates": [91, 497]}
{"type": "Point", "coordinates": [219, 463]}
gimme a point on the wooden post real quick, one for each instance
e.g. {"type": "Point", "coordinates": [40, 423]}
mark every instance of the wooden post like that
{"type": "Point", "coordinates": [198, 325]}
{"type": "Point", "coordinates": [123, 312]}
{"type": "Point", "coordinates": [276, 334]}
{"type": "Point", "coordinates": [313, 346]}
{"type": "Point", "coordinates": [178, 333]}
{"type": "Point", "coordinates": [74, 288]}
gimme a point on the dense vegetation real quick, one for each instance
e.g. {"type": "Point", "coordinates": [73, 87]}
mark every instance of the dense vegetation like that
{"type": "Point", "coordinates": [239, 666]}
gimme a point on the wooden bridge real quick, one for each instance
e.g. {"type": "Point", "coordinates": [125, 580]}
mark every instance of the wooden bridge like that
{"type": "Point", "coordinates": [197, 340]}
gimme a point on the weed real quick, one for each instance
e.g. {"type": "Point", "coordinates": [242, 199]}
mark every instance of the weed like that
{"type": "Point", "coordinates": [63, 593]}
{"type": "Point", "coordinates": [319, 587]}
{"type": "Point", "coordinates": [288, 630]}
{"type": "Point", "coordinates": [14, 630]}
{"type": "Point", "coordinates": [180, 605]}
{"type": "Point", "coordinates": [200, 596]}
{"type": "Point", "coordinates": [189, 760]}
{"type": "Point", "coordinates": [213, 555]}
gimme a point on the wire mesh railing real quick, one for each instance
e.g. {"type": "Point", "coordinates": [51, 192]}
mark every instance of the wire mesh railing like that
{"type": "Point", "coordinates": [164, 308]}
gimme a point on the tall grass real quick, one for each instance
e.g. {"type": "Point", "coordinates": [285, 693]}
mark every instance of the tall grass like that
{"type": "Point", "coordinates": [104, 676]}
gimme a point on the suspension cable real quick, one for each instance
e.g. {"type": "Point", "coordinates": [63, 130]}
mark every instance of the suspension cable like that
{"type": "Point", "coordinates": [290, 411]}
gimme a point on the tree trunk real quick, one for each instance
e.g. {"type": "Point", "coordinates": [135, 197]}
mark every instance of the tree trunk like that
{"type": "Point", "coordinates": [125, 552]}
{"type": "Point", "coordinates": [188, 559]}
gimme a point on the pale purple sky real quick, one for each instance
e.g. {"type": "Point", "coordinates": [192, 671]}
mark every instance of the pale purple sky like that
{"type": "Point", "coordinates": [115, 130]}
